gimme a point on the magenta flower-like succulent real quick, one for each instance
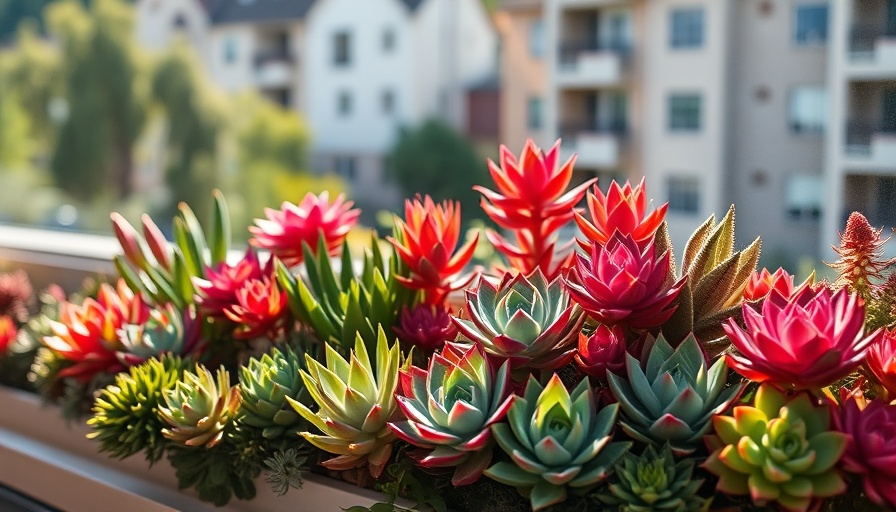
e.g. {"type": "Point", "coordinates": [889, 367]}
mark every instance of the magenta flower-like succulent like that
{"type": "Point", "coordinates": [871, 451]}
{"type": "Point", "coordinates": [426, 326]}
{"type": "Point", "coordinates": [261, 309]}
{"type": "Point", "coordinates": [807, 341]}
{"type": "Point", "coordinates": [450, 408]}
{"type": "Point", "coordinates": [624, 284]}
{"type": "Point", "coordinates": [881, 362]}
{"type": "Point", "coordinates": [218, 291]}
{"type": "Point", "coordinates": [603, 351]}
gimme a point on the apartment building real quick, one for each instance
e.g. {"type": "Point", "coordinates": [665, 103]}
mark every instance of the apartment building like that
{"type": "Point", "coordinates": [777, 106]}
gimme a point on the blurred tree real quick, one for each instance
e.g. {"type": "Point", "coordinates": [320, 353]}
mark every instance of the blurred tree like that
{"type": "Point", "coordinates": [12, 12]}
{"type": "Point", "coordinates": [269, 134]}
{"type": "Point", "coordinates": [14, 143]}
{"type": "Point", "coordinates": [106, 107]}
{"type": "Point", "coordinates": [434, 159]}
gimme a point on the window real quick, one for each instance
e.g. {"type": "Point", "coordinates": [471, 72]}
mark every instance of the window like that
{"type": "Point", "coordinates": [686, 28]}
{"type": "Point", "coordinates": [808, 110]}
{"type": "Point", "coordinates": [811, 24]}
{"type": "Point", "coordinates": [536, 38]}
{"type": "Point", "coordinates": [345, 167]}
{"type": "Point", "coordinates": [388, 40]}
{"type": "Point", "coordinates": [684, 194]}
{"type": "Point", "coordinates": [230, 50]}
{"type": "Point", "coordinates": [342, 49]}
{"type": "Point", "coordinates": [535, 113]}
{"type": "Point", "coordinates": [387, 100]}
{"type": "Point", "coordinates": [804, 196]}
{"type": "Point", "coordinates": [180, 22]}
{"type": "Point", "coordinates": [344, 103]}
{"type": "Point", "coordinates": [684, 112]}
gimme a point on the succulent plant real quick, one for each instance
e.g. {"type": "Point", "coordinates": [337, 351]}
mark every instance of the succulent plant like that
{"type": "Point", "coordinates": [199, 408]}
{"type": "Point", "coordinates": [16, 295]}
{"type": "Point", "coordinates": [124, 419]}
{"type": "Point", "coordinates": [807, 341]}
{"type": "Point", "coordinates": [265, 384]}
{"type": "Point", "coordinates": [261, 310]}
{"type": "Point", "coordinates": [762, 283]}
{"type": "Point", "coordinates": [862, 260]}
{"type": "Point", "coordinates": [654, 481]}
{"type": "Point", "coordinates": [625, 284]}
{"type": "Point", "coordinates": [622, 209]}
{"type": "Point", "coordinates": [673, 398]}
{"type": "Point", "coordinates": [217, 291]}
{"type": "Point", "coordinates": [602, 351]}
{"type": "Point", "coordinates": [871, 451]}
{"type": "Point", "coordinates": [556, 440]}
{"type": "Point", "coordinates": [426, 240]}
{"type": "Point", "coordinates": [527, 320]}
{"type": "Point", "coordinates": [355, 401]}
{"type": "Point", "coordinates": [533, 203]}
{"type": "Point", "coordinates": [881, 363]}
{"type": "Point", "coordinates": [780, 450]}
{"type": "Point", "coordinates": [8, 333]}
{"type": "Point", "coordinates": [427, 327]}
{"type": "Point", "coordinates": [163, 332]}
{"type": "Point", "coordinates": [284, 231]}
{"type": "Point", "coordinates": [450, 407]}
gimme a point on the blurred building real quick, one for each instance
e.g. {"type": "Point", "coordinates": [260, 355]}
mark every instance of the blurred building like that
{"type": "Point", "coordinates": [777, 106]}
{"type": "Point", "coordinates": [358, 71]}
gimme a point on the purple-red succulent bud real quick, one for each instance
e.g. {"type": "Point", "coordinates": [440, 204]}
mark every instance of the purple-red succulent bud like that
{"type": "Point", "coordinates": [871, 451]}
{"type": "Point", "coordinates": [601, 352]}
{"type": "Point", "coordinates": [426, 326]}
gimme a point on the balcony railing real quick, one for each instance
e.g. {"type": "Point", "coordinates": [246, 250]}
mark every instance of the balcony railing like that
{"type": "Point", "coordinates": [860, 134]}
{"type": "Point", "coordinates": [273, 56]}
{"type": "Point", "coordinates": [571, 51]}
{"type": "Point", "coordinates": [863, 38]}
{"type": "Point", "coordinates": [568, 132]}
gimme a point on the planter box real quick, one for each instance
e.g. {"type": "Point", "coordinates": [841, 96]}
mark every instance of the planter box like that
{"type": "Point", "coordinates": [53, 462]}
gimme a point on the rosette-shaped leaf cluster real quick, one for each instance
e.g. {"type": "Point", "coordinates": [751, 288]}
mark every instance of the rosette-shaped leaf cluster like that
{"type": "Point", "coordinates": [265, 385]}
{"type": "Point", "coordinates": [218, 290]}
{"type": "Point", "coordinates": [807, 341]}
{"type": "Point", "coordinates": [532, 202]}
{"type": "Point", "coordinates": [124, 414]}
{"type": "Point", "coordinates": [355, 400]}
{"type": "Point", "coordinates": [881, 362]}
{"type": "Point", "coordinates": [426, 240]}
{"type": "Point", "coordinates": [450, 408]}
{"type": "Point", "coordinates": [622, 209]}
{"type": "Point", "coordinates": [556, 440]}
{"type": "Point", "coordinates": [625, 284]}
{"type": "Point", "coordinates": [673, 398]}
{"type": "Point", "coordinates": [527, 320]}
{"type": "Point", "coordinates": [781, 450]}
{"type": "Point", "coordinates": [654, 482]}
{"type": "Point", "coordinates": [285, 231]}
{"type": "Point", "coordinates": [425, 326]}
{"type": "Point", "coordinates": [763, 283]}
{"type": "Point", "coordinates": [8, 333]}
{"type": "Point", "coordinates": [602, 351]}
{"type": "Point", "coordinates": [200, 407]}
{"type": "Point", "coordinates": [163, 332]}
{"type": "Point", "coordinates": [871, 451]}
{"type": "Point", "coordinates": [261, 309]}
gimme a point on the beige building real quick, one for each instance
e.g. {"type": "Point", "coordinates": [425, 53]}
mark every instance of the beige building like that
{"type": "Point", "coordinates": [785, 108]}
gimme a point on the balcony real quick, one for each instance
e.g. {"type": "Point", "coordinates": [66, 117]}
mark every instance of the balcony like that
{"type": "Point", "coordinates": [274, 69]}
{"type": "Point", "coordinates": [590, 64]}
{"type": "Point", "coordinates": [597, 147]}
{"type": "Point", "coordinates": [870, 148]}
{"type": "Point", "coordinates": [872, 52]}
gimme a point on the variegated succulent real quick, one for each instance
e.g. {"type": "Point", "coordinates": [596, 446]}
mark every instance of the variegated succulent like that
{"type": "Point", "coordinates": [200, 408]}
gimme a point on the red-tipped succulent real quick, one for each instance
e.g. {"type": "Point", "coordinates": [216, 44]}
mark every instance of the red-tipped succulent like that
{"type": "Point", "coordinates": [871, 451]}
{"type": "Point", "coordinates": [260, 310]}
{"type": "Point", "coordinates": [881, 362]}
{"type": "Point", "coordinates": [8, 333]}
{"type": "Point", "coordinates": [623, 209]}
{"type": "Point", "coordinates": [807, 341]}
{"type": "Point", "coordinates": [601, 352]}
{"type": "Point", "coordinates": [284, 230]}
{"type": "Point", "coordinates": [533, 203]}
{"type": "Point", "coordinates": [763, 283]}
{"type": "Point", "coordinates": [426, 326]}
{"type": "Point", "coordinates": [427, 243]}
{"type": "Point", "coordinates": [218, 291]}
{"type": "Point", "coordinates": [624, 284]}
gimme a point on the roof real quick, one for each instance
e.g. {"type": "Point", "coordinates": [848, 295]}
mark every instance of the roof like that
{"type": "Point", "coordinates": [243, 11]}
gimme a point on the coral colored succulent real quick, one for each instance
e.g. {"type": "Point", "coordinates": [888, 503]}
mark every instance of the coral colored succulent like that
{"type": "Point", "coordinates": [861, 256]}
{"type": "Point", "coordinates": [355, 401]}
{"type": "Point", "coordinates": [8, 333]}
{"type": "Point", "coordinates": [426, 240]}
{"type": "Point", "coordinates": [200, 407]}
{"type": "Point", "coordinates": [624, 284]}
{"type": "Point", "coordinates": [602, 351]}
{"type": "Point", "coordinates": [533, 203]}
{"type": "Point", "coordinates": [623, 209]}
{"type": "Point", "coordinates": [780, 450]}
{"type": "Point", "coordinates": [285, 230]}
{"type": "Point", "coordinates": [527, 320]}
{"type": "Point", "coordinates": [163, 332]}
{"type": "Point", "coordinates": [763, 283]}
{"type": "Point", "coordinates": [450, 407]}
{"type": "Point", "coordinates": [218, 290]}
{"type": "Point", "coordinates": [261, 309]}
{"type": "Point", "coordinates": [807, 341]}
{"type": "Point", "coordinates": [425, 326]}
{"type": "Point", "coordinates": [881, 362]}
{"type": "Point", "coordinates": [674, 397]}
{"type": "Point", "coordinates": [871, 452]}
{"type": "Point", "coordinates": [556, 440]}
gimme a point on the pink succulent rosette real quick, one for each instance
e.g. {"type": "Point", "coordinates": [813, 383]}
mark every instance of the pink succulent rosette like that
{"type": "Point", "coordinates": [425, 326]}
{"type": "Point", "coordinates": [762, 283]}
{"type": "Point", "coordinates": [218, 291]}
{"type": "Point", "coordinates": [881, 362]}
{"type": "Point", "coordinates": [805, 342]}
{"type": "Point", "coordinates": [601, 352]}
{"type": "Point", "coordinates": [871, 451]}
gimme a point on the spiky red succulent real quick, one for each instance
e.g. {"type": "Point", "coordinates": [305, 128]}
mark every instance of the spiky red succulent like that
{"type": "Point", "coordinates": [807, 341]}
{"type": "Point", "coordinates": [622, 209]}
{"type": "Point", "coordinates": [763, 283]}
{"type": "Point", "coordinates": [871, 451]}
{"type": "Point", "coordinates": [284, 230]}
{"type": "Point", "coordinates": [533, 203]}
{"type": "Point", "coordinates": [8, 333]}
{"type": "Point", "coordinates": [427, 243]}
{"type": "Point", "coordinates": [861, 255]}
{"type": "Point", "coordinates": [881, 362]}
{"type": "Point", "coordinates": [16, 295]}
{"type": "Point", "coordinates": [601, 352]}
{"type": "Point", "coordinates": [260, 310]}
{"type": "Point", "coordinates": [218, 291]}
{"type": "Point", "coordinates": [622, 283]}
{"type": "Point", "coordinates": [425, 326]}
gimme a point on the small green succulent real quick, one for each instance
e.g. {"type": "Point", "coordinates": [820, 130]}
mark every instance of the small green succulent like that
{"type": "Point", "coordinates": [673, 399]}
{"type": "Point", "coordinates": [654, 482]}
{"type": "Point", "coordinates": [781, 450]}
{"type": "Point", "coordinates": [197, 410]}
{"type": "Point", "coordinates": [264, 386]}
{"type": "Point", "coordinates": [556, 440]}
{"type": "Point", "coordinates": [124, 414]}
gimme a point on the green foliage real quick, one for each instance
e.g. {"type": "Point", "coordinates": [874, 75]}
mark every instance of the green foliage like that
{"type": "Point", "coordinates": [217, 474]}
{"type": "Point", "coordinates": [14, 128]}
{"type": "Point", "coordinates": [436, 160]}
{"type": "Point", "coordinates": [265, 384]}
{"type": "Point", "coordinates": [285, 470]}
{"type": "Point", "coordinates": [269, 134]}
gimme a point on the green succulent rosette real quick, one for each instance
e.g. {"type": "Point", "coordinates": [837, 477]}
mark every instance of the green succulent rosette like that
{"type": "Point", "coordinates": [654, 481]}
{"type": "Point", "coordinates": [265, 385]}
{"type": "Point", "coordinates": [200, 407]}
{"type": "Point", "coordinates": [674, 397]}
{"type": "Point", "coordinates": [556, 440]}
{"type": "Point", "coordinates": [780, 450]}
